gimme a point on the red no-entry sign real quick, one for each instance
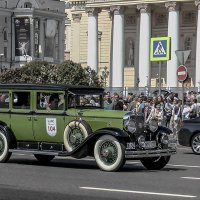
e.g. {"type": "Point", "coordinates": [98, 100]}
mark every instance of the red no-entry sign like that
{"type": "Point", "coordinates": [182, 73]}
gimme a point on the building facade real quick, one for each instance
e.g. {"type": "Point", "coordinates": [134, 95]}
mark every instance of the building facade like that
{"type": "Point", "coordinates": [31, 30]}
{"type": "Point", "coordinates": [116, 34]}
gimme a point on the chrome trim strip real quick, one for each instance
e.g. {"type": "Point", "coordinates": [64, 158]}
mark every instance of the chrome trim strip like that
{"type": "Point", "coordinates": [149, 153]}
{"type": "Point", "coordinates": [33, 152]}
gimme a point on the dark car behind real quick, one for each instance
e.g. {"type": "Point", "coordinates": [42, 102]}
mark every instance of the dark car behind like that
{"type": "Point", "coordinates": [189, 134]}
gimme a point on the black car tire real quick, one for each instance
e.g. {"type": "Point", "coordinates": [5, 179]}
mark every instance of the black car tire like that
{"type": "Point", "coordinates": [195, 143]}
{"type": "Point", "coordinates": [155, 163]}
{"type": "Point", "coordinates": [44, 158]}
{"type": "Point", "coordinates": [77, 131]}
{"type": "Point", "coordinates": [109, 153]}
{"type": "Point", "coordinates": [4, 147]}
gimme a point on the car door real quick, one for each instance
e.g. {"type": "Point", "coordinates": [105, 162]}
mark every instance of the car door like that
{"type": "Point", "coordinates": [21, 115]}
{"type": "Point", "coordinates": [49, 116]}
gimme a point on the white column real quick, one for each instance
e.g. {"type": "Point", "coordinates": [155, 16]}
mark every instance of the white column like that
{"type": "Point", "coordinates": [144, 45]}
{"type": "Point", "coordinates": [41, 39]}
{"type": "Point", "coordinates": [75, 40]}
{"type": "Point", "coordinates": [197, 79]}
{"type": "Point", "coordinates": [92, 57]}
{"type": "Point", "coordinates": [173, 32]}
{"type": "Point", "coordinates": [32, 39]}
{"type": "Point", "coordinates": [61, 43]}
{"type": "Point", "coordinates": [118, 57]}
{"type": "Point", "coordinates": [137, 45]}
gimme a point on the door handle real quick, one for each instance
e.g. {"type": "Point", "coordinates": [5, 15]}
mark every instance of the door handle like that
{"type": "Point", "coordinates": [29, 118]}
{"type": "Point", "coordinates": [35, 118]}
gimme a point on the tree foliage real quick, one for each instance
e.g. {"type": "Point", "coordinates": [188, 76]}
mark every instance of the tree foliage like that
{"type": "Point", "coordinates": [42, 72]}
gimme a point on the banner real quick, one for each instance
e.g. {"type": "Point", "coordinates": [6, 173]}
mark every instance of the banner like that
{"type": "Point", "coordinates": [22, 37]}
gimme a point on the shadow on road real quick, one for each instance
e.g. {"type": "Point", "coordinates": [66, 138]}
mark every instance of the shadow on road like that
{"type": "Point", "coordinates": [87, 164]}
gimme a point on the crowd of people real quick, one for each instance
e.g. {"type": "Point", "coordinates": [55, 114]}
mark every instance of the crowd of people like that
{"type": "Point", "coordinates": [169, 111]}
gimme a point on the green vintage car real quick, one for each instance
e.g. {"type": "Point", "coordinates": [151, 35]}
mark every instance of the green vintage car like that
{"type": "Point", "coordinates": [65, 120]}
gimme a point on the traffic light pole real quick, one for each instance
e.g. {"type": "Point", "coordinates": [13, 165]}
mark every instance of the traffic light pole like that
{"type": "Point", "coordinates": [160, 65]}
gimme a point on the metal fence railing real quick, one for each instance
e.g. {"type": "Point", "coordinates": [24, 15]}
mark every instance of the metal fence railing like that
{"type": "Point", "coordinates": [148, 91]}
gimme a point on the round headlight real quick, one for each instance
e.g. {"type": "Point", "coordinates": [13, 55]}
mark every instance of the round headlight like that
{"type": "Point", "coordinates": [164, 138]}
{"type": "Point", "coordinates": [129, 125]}
{"type": "Point", "coordinates": [153, 125]}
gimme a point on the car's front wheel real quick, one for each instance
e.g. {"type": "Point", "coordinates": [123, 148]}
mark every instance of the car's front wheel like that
{"type": "Point", "coordinates": [109, 153]}
{"type": "Point", "coordinates": [44, 158]}
{"type": "Point", "coordinates": [4, 148]}
{"type": "Point", "coordinates": [155, 163]}
{"type": "Point", "coordinates": [195, 143]}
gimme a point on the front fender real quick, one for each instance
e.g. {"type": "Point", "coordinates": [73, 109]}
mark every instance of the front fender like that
{"type": "Point", "coordinates": [165, 129]}
{"type": "Point", "coordinates": [87, 147]}
{"type": "Point", "coordinates": [112, 131]}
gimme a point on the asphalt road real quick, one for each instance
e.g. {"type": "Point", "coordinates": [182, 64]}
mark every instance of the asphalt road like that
{"type": "Point", "coordinates": [23, 178]}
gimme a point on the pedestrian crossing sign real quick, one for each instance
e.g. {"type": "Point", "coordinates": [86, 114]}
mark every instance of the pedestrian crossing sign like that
{"type": "Point", "coordinates": [160, 49]}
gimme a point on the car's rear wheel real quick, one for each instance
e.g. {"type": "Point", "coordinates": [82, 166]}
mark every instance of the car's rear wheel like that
{"type": "Point", "coordinates": [109, 153]}
{"type": "Point", "coordinates": [4, 147]}
{"type": "Point", "coordinates": [195, 143]}
{"type": "Point", "coordinates": [44, 158]}
{"type": "Point", "coordinates": [155, 163]}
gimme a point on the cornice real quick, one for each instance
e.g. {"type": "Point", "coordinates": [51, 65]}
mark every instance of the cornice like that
{"type": "Point", "coordinates": [77, 5]}
{"type": "Point", "coordinates": [108, 3]}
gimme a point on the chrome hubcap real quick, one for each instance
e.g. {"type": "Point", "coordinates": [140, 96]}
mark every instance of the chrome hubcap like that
{"type": "Point", "coordinates": [196, 144]}
{"type": "Point", "coordinates": [76, 137]}
{"type": "Point", "coordinates": [108, 152]}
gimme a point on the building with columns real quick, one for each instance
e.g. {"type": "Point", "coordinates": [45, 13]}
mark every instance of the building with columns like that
{"type": "Point", "coordinates": [116, 34]}
{"type": "Point", "coordinates": [31, 30]}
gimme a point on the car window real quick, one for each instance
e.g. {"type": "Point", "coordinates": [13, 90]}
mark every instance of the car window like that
{"type": "Point", "coordinates": [4, 99]}
{"type": "Point", "coordinates": [50, 101]}
{"type": "Point", "coordinates": [21, 100]}
{"type": "Point", "coordinates": [84, 100]}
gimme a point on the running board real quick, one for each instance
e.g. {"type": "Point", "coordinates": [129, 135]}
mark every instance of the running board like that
{"type": "Point", "coordinates": [38, 152]}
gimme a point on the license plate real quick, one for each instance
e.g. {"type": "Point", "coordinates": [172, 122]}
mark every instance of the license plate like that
{"type": "Point", "coordinates": [150, 144]}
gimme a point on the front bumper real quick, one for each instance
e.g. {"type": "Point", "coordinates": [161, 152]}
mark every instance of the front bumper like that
{"type": "Point", "coordinates": [149, 153]}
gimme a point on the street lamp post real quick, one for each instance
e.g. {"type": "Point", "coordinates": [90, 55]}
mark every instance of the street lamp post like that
{"type": "Point", "coordinates": [105, 74]}
{"type": "Point", "coordinates": [1, 56]}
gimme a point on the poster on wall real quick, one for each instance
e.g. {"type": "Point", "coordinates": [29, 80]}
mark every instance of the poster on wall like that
{"type": "Point", "coordinates": [22, 39]}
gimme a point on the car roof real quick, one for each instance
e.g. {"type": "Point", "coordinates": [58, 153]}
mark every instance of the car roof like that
{"type": "Point", "coordinates": [32, 86]}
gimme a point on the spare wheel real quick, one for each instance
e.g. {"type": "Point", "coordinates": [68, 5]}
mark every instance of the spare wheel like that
{"type": "Point", "coordinates": [75, 133]}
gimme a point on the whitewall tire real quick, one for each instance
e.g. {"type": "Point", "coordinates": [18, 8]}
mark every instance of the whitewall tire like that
{"type": "Point", "coordinates": [4, 148]}
{"type": "Point", "coordinates": [109, 153]}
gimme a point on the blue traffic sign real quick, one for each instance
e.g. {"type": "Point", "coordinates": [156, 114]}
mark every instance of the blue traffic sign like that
{"type": "Point", "coordinates": [160, 49]}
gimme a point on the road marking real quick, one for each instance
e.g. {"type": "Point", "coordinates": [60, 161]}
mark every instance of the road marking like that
{"type": "Point", "coordinates": [139, 192]}
{"type": "Point", "coordinates": [189, 166]}
{"type": "Point", "coordinates": [192, 178]}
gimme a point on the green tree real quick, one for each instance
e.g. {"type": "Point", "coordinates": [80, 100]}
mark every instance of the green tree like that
{"type": "Point", "coordinates": [42, 72]}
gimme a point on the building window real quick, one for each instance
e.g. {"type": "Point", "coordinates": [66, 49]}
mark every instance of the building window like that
{"type": "Point", "coordinates": [188, 45]}
{"type": "Point", "coordinates": [188, 17]}
{"type": "Point", "coordinates": [130, 20]}
{"type": "Point", "coordinates": [161, 19]}
{"type": "Point", "coordinates": [6, 4]}
{"type": "Point", "coordinates": [5, 52]}
{"type": "Point", "coordinates": [5, 20]}
{"type": "Point", "coordinates": [5, 35]}
{"type": "Point", "coordinates": [27, 5]}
